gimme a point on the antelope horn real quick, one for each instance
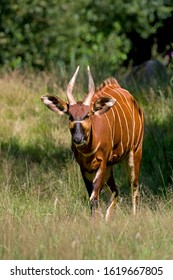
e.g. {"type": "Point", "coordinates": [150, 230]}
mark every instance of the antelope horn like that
{"type": "Point", "coordinates": [70, 87]}
{"type": "Point", "coordinates": [91, 89]}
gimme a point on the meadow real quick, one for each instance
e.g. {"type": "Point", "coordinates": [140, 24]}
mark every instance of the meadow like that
{"type": "Point", "coordinates": [44, 209]}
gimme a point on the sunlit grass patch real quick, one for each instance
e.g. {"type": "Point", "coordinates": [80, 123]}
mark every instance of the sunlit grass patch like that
{"type": "Point", "coordinates": [45, 229]}
{"type": "Point", "coordinates": [44, 208]}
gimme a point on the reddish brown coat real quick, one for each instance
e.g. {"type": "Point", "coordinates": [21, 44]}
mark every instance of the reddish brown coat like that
{"type": "Point", "coordinates": [107, 127]}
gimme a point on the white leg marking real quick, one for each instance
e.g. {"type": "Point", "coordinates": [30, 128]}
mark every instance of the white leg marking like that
{"type": "Point", "coordinates": [111, 207]}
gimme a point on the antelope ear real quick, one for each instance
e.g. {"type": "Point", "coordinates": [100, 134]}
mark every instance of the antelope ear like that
{"type": "Point", "coordinates": [55, 104]}
{"type": "Point", "coordinates": [103, 104]}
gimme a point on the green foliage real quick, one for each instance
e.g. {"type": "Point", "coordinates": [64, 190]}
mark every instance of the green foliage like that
{"type": "Point", "coordinates": [60, 33]}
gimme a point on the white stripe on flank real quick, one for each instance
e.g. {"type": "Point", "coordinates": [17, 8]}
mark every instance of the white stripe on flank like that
{"type": "Point", "coordinates": [125, 108]}
{"type": "Point", "coordinates": [128, 134]}
{"type": "Point", "coordinates": [123, 92]}
{"type": "Point", "coordinates": [121, 130]}
{"type": "Point", "coordinates": [126, 102]}
{"type": "Point", "coordinates": [140, 131]}
{"type": "Point", "coordinates": [133, 124]}
{"type": "Point", "coordinates": [119, 119]}
{"type": "Point", "coordinates": [112, 128]}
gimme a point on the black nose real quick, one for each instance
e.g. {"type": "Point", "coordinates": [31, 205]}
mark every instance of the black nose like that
{"type": "Point", "coordinates": [77, 139]}
{"type": "Point", "coordinates": [78, 134]}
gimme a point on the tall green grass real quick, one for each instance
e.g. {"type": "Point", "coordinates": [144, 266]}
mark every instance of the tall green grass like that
{"type": "Point", "coordinates": [44, 209]}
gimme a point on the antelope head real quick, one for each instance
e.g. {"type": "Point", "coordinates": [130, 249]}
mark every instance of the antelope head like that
{"type": "Point", "coordinates": [80, 113]}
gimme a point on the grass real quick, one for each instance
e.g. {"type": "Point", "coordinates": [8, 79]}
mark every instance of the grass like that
{"type": "Point", "coordinates": [33, 228]}
{"type": "Point", "coordinates": [44, 210]}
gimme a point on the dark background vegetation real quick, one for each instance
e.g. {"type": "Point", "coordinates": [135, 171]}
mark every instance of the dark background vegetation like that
{"type": "Point", "coordinates": [112, 37]}
{"type": "Point", "coordinates": [61, 33]}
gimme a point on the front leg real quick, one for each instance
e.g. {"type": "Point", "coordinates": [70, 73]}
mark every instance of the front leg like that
{"type": "Point", "coordinates": [112, 194]}
{"type": "Point", "coordinates": [88, 183]}
{"type": "Point", "coordinates": [94, 183]}
{"type": "Point", "coordinates": [96, 187]}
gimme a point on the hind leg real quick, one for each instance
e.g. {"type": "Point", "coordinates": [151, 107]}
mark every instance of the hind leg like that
{"type": "Point", "coordinates": [133, 165]}
{"type": "Point", "coordinates": [112, 195]}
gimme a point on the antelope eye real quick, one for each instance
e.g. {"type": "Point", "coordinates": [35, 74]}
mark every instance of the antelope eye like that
{"type": "Point", "coordinates": [71, 118]}
{"type": "Point", "coordinates": [86, 117]}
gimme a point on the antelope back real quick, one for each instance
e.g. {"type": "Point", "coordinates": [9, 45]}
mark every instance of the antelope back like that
{"type": "Point", "coordinates": [122, 125]}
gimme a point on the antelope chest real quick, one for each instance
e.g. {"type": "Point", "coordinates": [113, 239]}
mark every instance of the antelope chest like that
{"type": "Point", "coordinates": [89, 164]}
{"type": "Point", "coordinates": [90, 168]}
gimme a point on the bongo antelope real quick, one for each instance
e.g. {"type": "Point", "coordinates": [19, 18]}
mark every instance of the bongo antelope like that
{"type": "Point", "coordinates": [106, 127]}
